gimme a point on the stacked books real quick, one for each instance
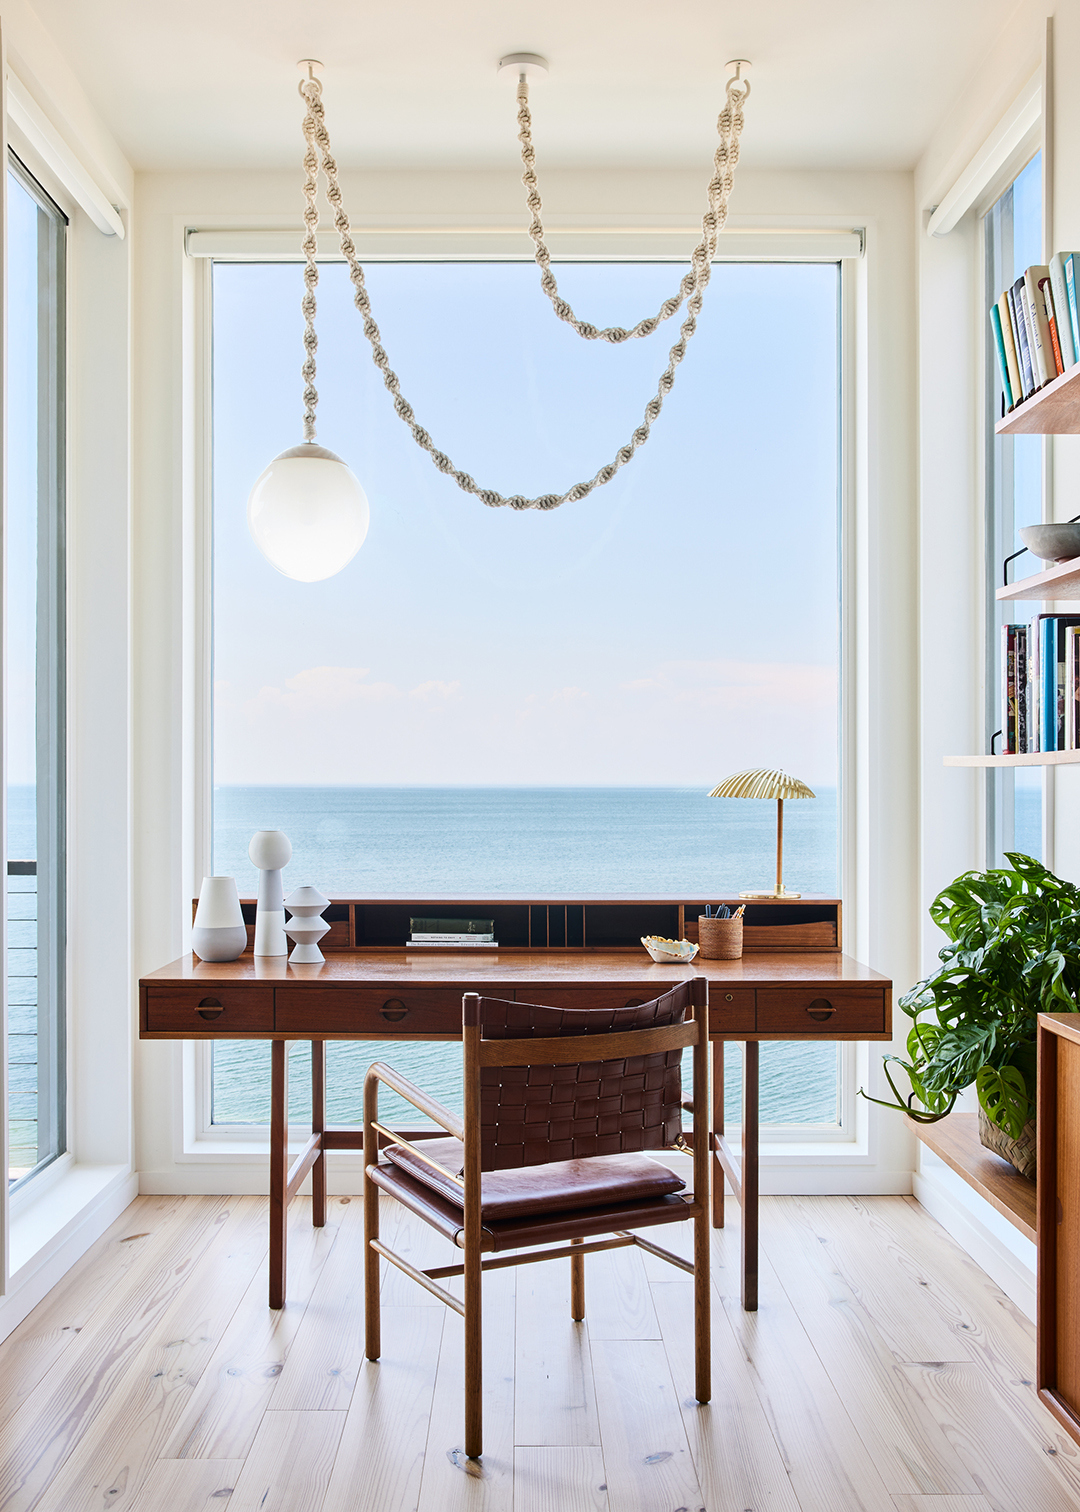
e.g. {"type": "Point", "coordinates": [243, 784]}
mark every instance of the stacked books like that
{"type": "Point", "coordinates": [1036, 328]}
{"type": "Point", "coordinates": [1040, 685]}
{"type": "Point", "coordinates": [428, 934]}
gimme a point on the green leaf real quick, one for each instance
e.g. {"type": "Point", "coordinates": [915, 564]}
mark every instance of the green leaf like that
{"type": "Point", "coordinates": [1003, 1096]}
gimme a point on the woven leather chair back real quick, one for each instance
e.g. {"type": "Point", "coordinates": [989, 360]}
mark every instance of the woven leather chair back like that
{"type": "Point", "coordinates": [530, 1115]}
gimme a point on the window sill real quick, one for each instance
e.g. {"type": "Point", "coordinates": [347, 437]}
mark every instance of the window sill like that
{"type": "Point", "coordinates": [47, 1217]}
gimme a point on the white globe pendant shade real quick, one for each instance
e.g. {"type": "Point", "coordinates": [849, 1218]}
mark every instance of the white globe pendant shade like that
{"type": "Point", "coordinates": [308, 513]}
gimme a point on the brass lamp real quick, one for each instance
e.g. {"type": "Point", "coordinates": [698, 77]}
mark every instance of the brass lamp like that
{"type": "Point", "coordinates": [766, 783]}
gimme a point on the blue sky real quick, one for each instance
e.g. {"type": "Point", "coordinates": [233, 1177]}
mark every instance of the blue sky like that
{"type": "Point", "coordinates": [674, 626]}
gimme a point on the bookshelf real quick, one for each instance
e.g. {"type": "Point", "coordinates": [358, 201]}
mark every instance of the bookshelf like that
{"type": "Point", "coordinates": [1059, 582]}
{"type": "Point", "coordinates": [1053, 411]}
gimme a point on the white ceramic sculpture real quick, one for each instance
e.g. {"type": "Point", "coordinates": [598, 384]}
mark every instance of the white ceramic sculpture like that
{"type": "Point", "coordinates": [219, 932]}
{"type": "Point", "coordinates": [270, 851]}
{"type": "Point", "coordinates": [305, 927]}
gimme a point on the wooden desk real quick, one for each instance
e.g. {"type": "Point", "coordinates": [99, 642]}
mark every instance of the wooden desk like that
{"type": "Point", "coordinates": [399, 995]}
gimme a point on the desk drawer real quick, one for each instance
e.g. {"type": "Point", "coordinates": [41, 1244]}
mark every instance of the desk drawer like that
{"type": "Point", "coordinates": [247, 1010]}
{"type": "Point", "coordinates": [827, 1010]}
{"type": "Point", "coordinates": [731, 1010]}
{"type": "Point", "coordinates": [367, 1010]}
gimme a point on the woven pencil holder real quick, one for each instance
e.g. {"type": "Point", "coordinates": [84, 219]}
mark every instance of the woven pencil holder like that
{"type": "Point", "coordinates": [720, 939]}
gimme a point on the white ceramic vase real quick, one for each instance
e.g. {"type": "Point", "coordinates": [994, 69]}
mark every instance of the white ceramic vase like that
{"type": "Point", "coordinates": [219, 932]}
{"type": "Point", "coordinates": [305, 928]}
{"type": "Point", "coordinates": [270, 851]}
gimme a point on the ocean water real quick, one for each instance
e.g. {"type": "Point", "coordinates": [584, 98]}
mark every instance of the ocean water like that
{"type": "Point", "coordinates": [517, 842]}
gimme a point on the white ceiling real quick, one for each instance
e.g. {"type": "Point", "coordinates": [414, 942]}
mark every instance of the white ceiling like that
{"type": "Point", "coordinates": [212, 83]}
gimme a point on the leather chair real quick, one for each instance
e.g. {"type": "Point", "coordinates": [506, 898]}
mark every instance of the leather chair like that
{"type": "Point", "coordinates": [558, 1128]}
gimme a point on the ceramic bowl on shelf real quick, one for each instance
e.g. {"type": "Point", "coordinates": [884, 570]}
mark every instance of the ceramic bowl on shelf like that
{"type": "Point", "coordinates": [666, 951]}
{"type": "Point", "coordinates": [1052, 543]}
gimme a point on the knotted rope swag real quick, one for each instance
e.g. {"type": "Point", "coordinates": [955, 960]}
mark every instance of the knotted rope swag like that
{"type": "Point", "coordinates": [691, 291]}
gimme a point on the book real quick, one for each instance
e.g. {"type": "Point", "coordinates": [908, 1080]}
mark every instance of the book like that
{"type": "Point", "coordinates": [451, 926]}
{"type": "Point", "coordinates": [1021, 690]}
{"type": "Point", "coordinates": [1065, 329]}
{"type": "Point", "coordinates": [1072, 687]}
{"type": "Point", "coordinates": [999, 347]}
{"type": "Point", "coordinates": [1034, 726]}
{"type": "Point", "coordinates": [1038, 331]}
{"type": "Point", "coordinates": [448, 938]}
{"type": "Point", "coordinates": [444, 944]}
{"type": "Point", "coordinates": [1048, 701]}
{"type": "Point", "coordinates": [1070, 291]}
{"type": "Point", "coordinates": [1010, 350]}
{"type": "Point", "coordinates": [1062, 624]}
{"type": "Point", "coordinates": [1045, 293]}
{"type": "Point", "coordinates": [1020, 327]}
{"type": "Point", "coordinates": [1008, 689]}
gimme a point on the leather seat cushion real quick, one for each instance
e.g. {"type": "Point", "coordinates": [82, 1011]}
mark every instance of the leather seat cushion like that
{"type": "Point", "coordinates": [559, 1187]}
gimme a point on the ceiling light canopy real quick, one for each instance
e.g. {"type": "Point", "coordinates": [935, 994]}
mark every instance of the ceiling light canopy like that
{"type": "Point", "coordinates": [307, 511]}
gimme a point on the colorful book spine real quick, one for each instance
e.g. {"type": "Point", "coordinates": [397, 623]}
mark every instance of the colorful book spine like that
{"type": "Point", "coordinates": [1048, 699]}
{"type": "Point", "coordinates": [1021, 689]}
{"type": "Point", "coordinates": [1062, 315]}
{"type": "Point", "coordinates": [1070, 289]}
{"type": "Point", "coordinates": [1020, 327]}
{"type": "Point", "coordinates": [1033, 721]}
{"type": "Point", "coordinates": [1038, 330]}
{"type": "Point", "coordinates": [1010, 350]}
{"type": "Point", "coordinates": [999, 347]}
{"type": "Point", "coordinates": [1071, 687]}
{"type": "Point", "coordinates": [1008, 689]}
{"type": "Point", "coordinates": [1046, 295]}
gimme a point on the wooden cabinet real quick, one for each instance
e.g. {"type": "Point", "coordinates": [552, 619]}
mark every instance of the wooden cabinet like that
{"type": "Point", "coordinates": [1058, 1225]}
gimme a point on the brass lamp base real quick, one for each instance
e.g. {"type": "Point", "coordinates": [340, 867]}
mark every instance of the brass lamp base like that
{"type": "Point", "coordinates": [771, 892]}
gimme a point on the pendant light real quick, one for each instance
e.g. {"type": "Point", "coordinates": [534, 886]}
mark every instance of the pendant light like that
{"type": "Point", "coordinates": [307, 511]}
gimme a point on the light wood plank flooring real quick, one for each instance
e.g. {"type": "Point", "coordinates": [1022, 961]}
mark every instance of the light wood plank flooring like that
{"type": "Point", "coordinates": [884, 1372]}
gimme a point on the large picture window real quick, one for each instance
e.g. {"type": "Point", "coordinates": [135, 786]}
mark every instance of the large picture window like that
{"type": "Point", "coordinates": [489, 703]}
{"type": "Point", "coordinates": [34, 632]}
{"type": "Point", "coordinates": [1012, 233]}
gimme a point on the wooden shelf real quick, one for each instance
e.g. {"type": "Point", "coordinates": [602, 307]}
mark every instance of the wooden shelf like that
{"type": "Point", "coordinates": [1033, 758]}
{"type": "Point", "coordinates": [1053, 411]}
{"type": "Point", "coordinates": [1061, 581]}
{"type": "Point", "coordinates": [956, 1140]}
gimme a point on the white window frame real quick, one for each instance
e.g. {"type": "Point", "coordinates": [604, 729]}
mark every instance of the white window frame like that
{"type": "Point", "coordinates": [196, 1138]}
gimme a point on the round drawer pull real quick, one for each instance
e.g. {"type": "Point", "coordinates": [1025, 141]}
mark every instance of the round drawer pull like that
{"type": "Point", "coordinates": [634, 1002]}
{"type": "Point", "coordinates": [729, 997]}
{"type": "Point", "coordinates": [820, 1009]}
{"type": "Point", "coordinates": [393, 1010]}
{"type": "Point", "coordinates": [209, 1009]}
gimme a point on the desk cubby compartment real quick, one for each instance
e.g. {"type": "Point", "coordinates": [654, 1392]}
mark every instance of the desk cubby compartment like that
{"type": "Point", "coordinates": [358, 924]}
{"type": "Point", "coordinates": [795, 924]}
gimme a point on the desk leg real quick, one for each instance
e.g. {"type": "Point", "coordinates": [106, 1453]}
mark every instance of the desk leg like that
{"type": "Point", "coordinates": [750, 1177]}
{"type": "Point", "coordinates": [318, 1126]}
{"type": "Point", "coordinates": [279, 1166]}
{"type": "Point", "coordinates": [718, 1132]}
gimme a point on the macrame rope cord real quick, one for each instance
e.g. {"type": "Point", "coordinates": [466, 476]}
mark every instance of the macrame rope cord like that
{"type": "Point", "coordinates": [724, 162]}
{"type": "Point", "coordinates": [729, 125]}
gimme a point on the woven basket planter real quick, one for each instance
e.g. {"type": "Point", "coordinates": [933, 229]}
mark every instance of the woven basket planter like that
{"type": "Point", "coordinates": [1018, 1152]}
{"type": "Point", "coordinates": [720, 939]}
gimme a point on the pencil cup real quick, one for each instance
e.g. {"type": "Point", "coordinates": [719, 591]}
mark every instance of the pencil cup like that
{"type": "Point", "coordinates": [720, 939]}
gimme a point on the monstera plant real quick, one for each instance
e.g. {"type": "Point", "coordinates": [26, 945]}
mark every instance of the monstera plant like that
{"type": "Point", "coordinates": [1013, 952]}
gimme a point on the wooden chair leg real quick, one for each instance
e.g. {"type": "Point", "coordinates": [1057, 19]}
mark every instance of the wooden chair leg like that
{"type": "Point", "coordinates": [318, 1126]}
{"type": "Point", "coordinates": [577, 1284]}
{"type": "Point", "coordinates": [702, 1310]}
{"type": "Point", "coordinates": [474, 1343]}
{"type": "Point", "coordinates": [279, 1167]}
{"type": "Point", "coordinates": [718, 1127]}
{"type": "Point", "coordinates": [372, 1277]}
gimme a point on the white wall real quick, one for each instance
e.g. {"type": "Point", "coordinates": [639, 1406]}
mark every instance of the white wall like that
{"type": "Point", "coordinates": [65, 1209]}
{"type": "Point", "coordinates": [881, 773]}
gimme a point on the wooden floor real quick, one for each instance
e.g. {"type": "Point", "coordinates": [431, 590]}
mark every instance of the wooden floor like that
{"type": "Point", "coordinates": [883, 1372]}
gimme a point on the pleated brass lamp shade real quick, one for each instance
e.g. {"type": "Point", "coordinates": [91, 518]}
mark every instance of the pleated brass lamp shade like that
{"type": "Point", "coordinates": [766, 782]}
